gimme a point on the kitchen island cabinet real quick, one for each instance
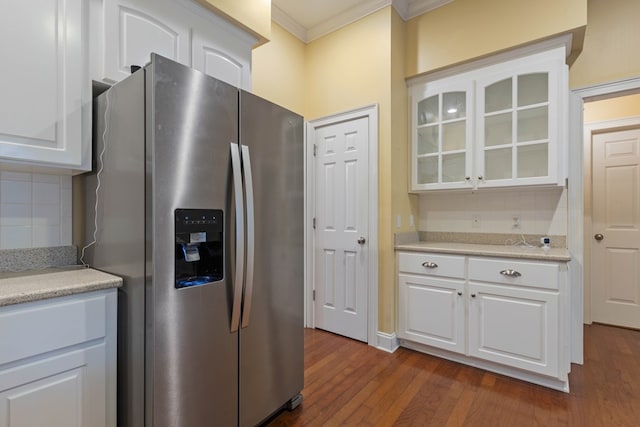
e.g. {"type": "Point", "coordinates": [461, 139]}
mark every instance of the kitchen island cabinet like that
{"type": "Point", "coordinates": [58, 355]}
{"type": "Point", "coordinates": [507, 315]}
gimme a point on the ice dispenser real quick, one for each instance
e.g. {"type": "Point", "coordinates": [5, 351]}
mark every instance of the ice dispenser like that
{"type": "Point", "coordinates": [199, 246]}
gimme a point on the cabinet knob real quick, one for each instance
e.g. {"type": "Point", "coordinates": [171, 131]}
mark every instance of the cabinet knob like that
{"type": "Point", "coordinates": [510, 273]}
{"type": "Point", "coordinates": [473, 295]}
{"type": "Point", "coordinates": [467, 178]}
{"type": "Point", "coordinates": [598, 237]}
{"type": "Point", "coordinates": [428, 264]}
{"type": "Point", "coordinates": [362, 240]}
{"type": "Point", "coordinates": [459, 293]}
{"type": "Point", "coordinates": [480, 177]}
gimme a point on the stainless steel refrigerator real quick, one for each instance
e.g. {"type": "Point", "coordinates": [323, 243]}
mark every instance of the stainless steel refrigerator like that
{"type": "Point", "coordinates": [200, 210]}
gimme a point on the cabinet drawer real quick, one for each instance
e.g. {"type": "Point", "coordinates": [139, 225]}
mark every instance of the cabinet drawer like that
{"type": "Point", "coordinates": [431, 264]}
{"type": "Point", "coordinates": [39, 327]}
{"type": "Point", "coordinates": [511, 272]}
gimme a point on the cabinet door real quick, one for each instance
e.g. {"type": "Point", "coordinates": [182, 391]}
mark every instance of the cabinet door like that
{"type": "Point", "coordinates": [135, 29]}
{"type": "Point", "coordinates": [65, 390]}
{"type": "Point", "coordinates": [43, 86]}
{"type": "Point", "coordinates": [431, 312]}
{"type": "Point", "coordinates": [442, 129]}
{"type": "Point", "coordinates": [519, 111]}
{"type": "Point", "coordinates": [515, 327]}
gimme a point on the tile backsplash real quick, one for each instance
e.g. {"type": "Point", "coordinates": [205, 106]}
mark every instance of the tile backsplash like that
{"type": "Point", "coordinates": [538, 211]}
{"type": "Point", "coordinates": [35, 210]}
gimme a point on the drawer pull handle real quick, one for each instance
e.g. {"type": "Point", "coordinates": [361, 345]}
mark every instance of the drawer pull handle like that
{"type": "Point", "coordinates": [429, 264]}
{"type": "Point", "coordinates": [510, 273]}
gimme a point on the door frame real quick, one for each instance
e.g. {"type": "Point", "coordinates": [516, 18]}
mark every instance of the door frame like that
{"type": "Point", "coordinates": [370, 112]}
{"type": "Point", "coordinates": [580, 284]}
{"type": "Point", "coordinates": [590, 130]}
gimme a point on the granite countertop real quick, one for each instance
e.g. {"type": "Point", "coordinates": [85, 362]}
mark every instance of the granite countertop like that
{"type": "Point", "coordinates": [506, 251]}
{"type": "Point", "coordinates": [54, 282]}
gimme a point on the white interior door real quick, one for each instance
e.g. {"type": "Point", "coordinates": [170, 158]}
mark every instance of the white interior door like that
{"type": "Point", "coordinates": [615, 253]}
{"type": "Point", "coordinates": [341, 252]}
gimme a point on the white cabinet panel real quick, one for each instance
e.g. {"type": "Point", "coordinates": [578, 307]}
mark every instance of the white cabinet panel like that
{"type": "Point", "coordinates": [515, 327]}
{"type": "Point", "coordinates": [135, 29]}
{"type": "Point", "coordinates": [126, 32]}
{"type": "Point", "coordinates": [432, 312]}
{"type": "Point", "coordinates": [58, 362]}
{"type": "Point", "coordinates": [45, 103]}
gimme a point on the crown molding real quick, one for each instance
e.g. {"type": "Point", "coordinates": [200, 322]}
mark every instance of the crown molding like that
{"type": "Point", "coordinates": [407, 9]}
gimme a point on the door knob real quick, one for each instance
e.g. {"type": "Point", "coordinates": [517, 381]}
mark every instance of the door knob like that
{"type": "Point", "coordinates": [598, 237]}
{"type": "Point", "coordinates": [362, 240]}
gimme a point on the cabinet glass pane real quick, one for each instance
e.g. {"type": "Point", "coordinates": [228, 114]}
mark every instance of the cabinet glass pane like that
{"type": "Point", "coordinates": [533, 160]}
{"type": "Point", "coordinates": [428, 110]}
{"type": "Point", "coordinates": [428, 170]}
{"type": "Point", "coordinates": [453, 136]}
{"type": "Point", "coordinates": [533, 124]}
{"type": "Point", "coordinates": [498, 96]}
{"type": "Point", "coordinates": [497, 164]}
{"type": "Point", "coordinates": [453, 167]}
{"type": "Point", "coordinates": [428, 140]}
{"type": "Point", "coordinates": [454, 105]}
{"type": "Point", "coordinates": [533, 89]}
{"type": "Point", "coordinates": [497, 130]}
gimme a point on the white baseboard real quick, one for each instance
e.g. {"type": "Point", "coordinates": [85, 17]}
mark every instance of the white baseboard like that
{"type": "Point", "coordinates": [387, 342]}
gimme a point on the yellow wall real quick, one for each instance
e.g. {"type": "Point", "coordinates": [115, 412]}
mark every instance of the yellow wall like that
{"type": "Point", "coordinates": [467, 29]}
{"type": "Point", "coordinates": [252, 15]}
{"type": "Point", "coordinates": [278, 70]}
{"type": "Point", "coordinates": [348, 69]}
{"type": "Point", "coordinates": [611, 44]}
{"type": "Point", "coordinates": [612, 109]}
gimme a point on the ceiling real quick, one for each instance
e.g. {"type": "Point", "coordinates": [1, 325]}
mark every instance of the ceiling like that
{"type": "Point", "coordinates": [312, 19]}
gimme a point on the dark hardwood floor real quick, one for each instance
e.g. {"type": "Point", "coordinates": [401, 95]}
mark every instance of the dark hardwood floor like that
{"type": "Point", "coordinates": [350, 383]}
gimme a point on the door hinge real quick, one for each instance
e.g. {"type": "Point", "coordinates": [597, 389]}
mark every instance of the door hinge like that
{"type": "Point", "coordinates": [314, 295]}
{"type": "Point", "coordinates": [314, 223]}
{"type": "Point", "coordinates": [315, 150]}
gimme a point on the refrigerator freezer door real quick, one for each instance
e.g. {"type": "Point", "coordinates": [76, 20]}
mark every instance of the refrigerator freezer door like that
{"type": "Point", "coordinates": [271, 345]}
{"type": "Point", "coordinates": [191, 353]}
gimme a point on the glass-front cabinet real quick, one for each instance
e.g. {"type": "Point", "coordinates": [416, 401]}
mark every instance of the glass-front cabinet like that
{"type": "Point", "coordinates": [502, 125]}
{"type": "Point", "coordinates": [518, 132]}
{"type": "Point", "coordinates": [443, 134]}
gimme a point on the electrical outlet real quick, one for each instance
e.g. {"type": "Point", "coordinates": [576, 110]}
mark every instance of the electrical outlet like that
{"type": "Point", "coordinates": [475, 221]}
{"type": "Point", "coordinates": [517, 223]}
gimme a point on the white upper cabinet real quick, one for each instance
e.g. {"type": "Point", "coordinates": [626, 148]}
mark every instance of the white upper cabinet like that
{"type": "Point", "coordinates": [512, 131]}
{"type": "Point", "coordinates": [520, 110]}
{"type": "Point", "coordinates": [128, 31]}
{"type": "Point", "coordinates": [46, 94]}
{"type": "Point", "coordinates": [443, 135]}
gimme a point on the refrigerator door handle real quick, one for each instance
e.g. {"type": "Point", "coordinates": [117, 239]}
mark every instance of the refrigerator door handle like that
{"type": "Point", "coordinates": [239, 200]}
{"type": "Point", "coordinates": [248, 188]}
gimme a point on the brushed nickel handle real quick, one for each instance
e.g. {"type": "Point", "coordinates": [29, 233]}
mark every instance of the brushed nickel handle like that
{"type": "Point", "coordinates": [429, 264]}
{"type": "Point", "coordinates": [510, 273]}
{"type": "Point", "coordinates": [598, 237]}
{"type": "Point", "coordinates": [362, 240]}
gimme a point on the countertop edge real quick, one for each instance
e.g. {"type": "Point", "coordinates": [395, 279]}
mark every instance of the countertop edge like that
{"type": "Point", "coordinates": [554, 254]}
{"type": "Point", "coordinates": [37, 286]}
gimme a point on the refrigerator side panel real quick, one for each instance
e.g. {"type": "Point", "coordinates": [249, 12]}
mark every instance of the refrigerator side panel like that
{"type": "Point", "coordinates": [120, 248]}
{"type": "Point", "coordinates": [271, 346]}
{"type": "Point", "coordinates": [192, 355]}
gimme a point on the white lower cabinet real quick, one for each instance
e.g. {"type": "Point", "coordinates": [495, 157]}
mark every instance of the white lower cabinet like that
{"type": "Point", "coordinates": [515, 327]}
{"type": "Point", "coordinates": [57, 362]}
{"type": "Point", "coordinates": [434, 311]}
{"type": "Point", "coordinates": [499, 314]}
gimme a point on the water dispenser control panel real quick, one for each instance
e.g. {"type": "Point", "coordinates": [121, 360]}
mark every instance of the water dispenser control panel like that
{"type": "Point", "coordinates": [199, 247]}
